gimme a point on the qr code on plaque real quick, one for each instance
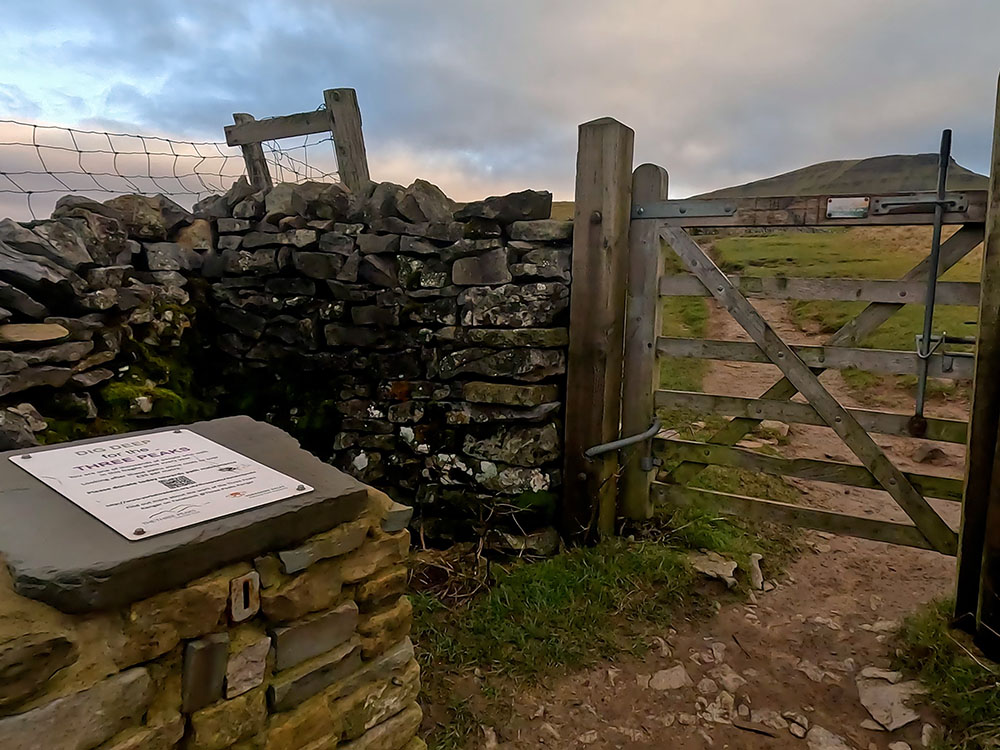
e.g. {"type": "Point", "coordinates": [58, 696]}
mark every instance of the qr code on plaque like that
{"type": "Point", "coordinates": [174, 483]}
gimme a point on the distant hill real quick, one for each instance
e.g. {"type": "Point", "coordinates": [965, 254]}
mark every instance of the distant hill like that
{"type": "Point", "coordinates": [899, 173]}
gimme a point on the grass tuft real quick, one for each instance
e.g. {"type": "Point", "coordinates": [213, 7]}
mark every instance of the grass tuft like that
{"type": "Point", "coordinates": [545, 618]}
{"type": "Point", "coordinates": [963, 687]}
{"type": "Point", "coordinates": [556, 613]}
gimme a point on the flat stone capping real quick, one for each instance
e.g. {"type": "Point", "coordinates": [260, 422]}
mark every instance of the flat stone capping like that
{"type": "Point", "coordinates": [61, 555]}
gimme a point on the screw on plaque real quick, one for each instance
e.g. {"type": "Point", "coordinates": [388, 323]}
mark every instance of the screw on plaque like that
{"type": "Point", "coordinates": [139, 532]}
{"type": "Point", "coordinates": [300, 487]}
{"type": "Point", "coordinates": [177, 431]}
{"type": "Point", "coordinates": [26, 455]}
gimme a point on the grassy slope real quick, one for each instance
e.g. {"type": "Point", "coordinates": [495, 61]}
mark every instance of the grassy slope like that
{"type": "Point", "coordinates": [964, 690]}
{"type": "Point", "coordinates": [882, 174]}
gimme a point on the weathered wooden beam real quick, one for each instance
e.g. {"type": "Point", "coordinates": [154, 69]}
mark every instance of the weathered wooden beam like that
{"type": "Point", "coordinates": [274, 128]}
{"type": "Point", "coordinates": [836, 472]}
{"type": "Point", "coordinates": [842, 290]}
{"type": "Point", "coordinates": [797, 211]}
{"type": "Point", "coordinates": [770, 511]}
{"type": "Point", "coordinates": [597, 324]}
{"type": "Point", "coordinates": [253, 156]}
{"type": "Point", "coordinates": [977, 591]}
{"type": "Point", "coordinates": [851, 333]}
{"type": "Point", "coordinates": [759, 409]}
{"type": "Point", "coordinates": [642, 325]}
{"type": "Point", "coordinates": [348, 140]}
{"type": "Point", "coordinates": [955, 367]}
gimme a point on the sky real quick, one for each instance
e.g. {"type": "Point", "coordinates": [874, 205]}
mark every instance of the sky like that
{"type": "Point", "coordinates": [484, 98]}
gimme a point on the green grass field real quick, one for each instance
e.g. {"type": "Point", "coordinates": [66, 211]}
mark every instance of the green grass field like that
{"type": "Point", "coordinates": [868, 253]}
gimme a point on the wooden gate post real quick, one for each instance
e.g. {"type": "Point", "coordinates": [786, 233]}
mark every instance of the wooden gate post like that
{"type": "Point", "coordinates": [643, 323]}
{"type": "Point", "coordinates": [597, 323]}
{"type": "Point", "coordinates": [348, 140]}
{"type": "Point", "coordinates": [977, 594]}
{"type": "Point", "coordinates": [253, 156]}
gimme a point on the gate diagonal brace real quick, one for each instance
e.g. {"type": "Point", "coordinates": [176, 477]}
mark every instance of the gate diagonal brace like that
{"type": "Point", "coordinates": [934, 529]}
{"type": "Point", "coordinates": [851, 333]}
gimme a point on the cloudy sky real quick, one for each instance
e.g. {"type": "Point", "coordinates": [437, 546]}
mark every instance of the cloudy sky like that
{"type": "Point", "coordinates": [486, 97]}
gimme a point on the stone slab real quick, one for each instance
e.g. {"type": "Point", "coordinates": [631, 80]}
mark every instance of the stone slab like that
{"type": "Point", "coordinates": [204, 673]}
{"type": "Point", "coordinates": [59, 554]}
{"type": "Point", "coordinates": [305, 639]}
{"type": "Point", "coordinates": [290, 688]}
{"type": "Point", "coordinates": [83, 720]}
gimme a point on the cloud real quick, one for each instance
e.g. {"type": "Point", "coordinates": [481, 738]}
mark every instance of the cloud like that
{"type": "Point", "coordinates": [484, 98]}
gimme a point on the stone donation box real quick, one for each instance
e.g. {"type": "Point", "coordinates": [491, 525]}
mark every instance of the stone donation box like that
{"type": "Point", "coordinates": [203, 587]}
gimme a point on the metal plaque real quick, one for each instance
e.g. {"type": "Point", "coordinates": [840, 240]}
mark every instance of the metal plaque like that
{"type": "Point", "coordinates": [847, 208]}
{"type": "Point", "coordinates": [146, 485]}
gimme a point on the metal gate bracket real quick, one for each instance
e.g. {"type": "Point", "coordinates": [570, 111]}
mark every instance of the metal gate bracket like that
{"type": "Point", "coordinates": [680, 208]}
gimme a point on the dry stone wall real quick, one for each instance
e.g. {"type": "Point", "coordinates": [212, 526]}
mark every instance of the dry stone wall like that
{"type": "Point", "coordinates": [300, 648]}
{"type": "Point", "coordinates": [83, 321]}
{"type": "Point", "coordinates": [418, 344]}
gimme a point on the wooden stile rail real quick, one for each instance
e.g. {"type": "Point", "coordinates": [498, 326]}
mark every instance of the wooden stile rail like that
{"type": "Point", "coordinates": [341, 116]}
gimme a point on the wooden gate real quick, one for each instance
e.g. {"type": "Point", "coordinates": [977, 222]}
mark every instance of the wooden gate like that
{"type": "Point", "coordinates": [622, 234]}
{"type": "Point", "coordinates": [659, 221]}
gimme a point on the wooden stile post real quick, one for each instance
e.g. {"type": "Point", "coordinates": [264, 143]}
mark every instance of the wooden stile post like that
{"type": "Point", "coordinates": [597, 324]}
{"type": "Point", "coordinates": [348, 140]}
{"type": "Point", "coordinates": [977, 594]}
{"type": "Point", "coordinates": [643, 325]}
{"type": "Point", "coordinates": [253, 155]}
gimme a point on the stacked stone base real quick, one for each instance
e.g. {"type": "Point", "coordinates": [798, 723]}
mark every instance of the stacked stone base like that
{"type": "Point", "coordinates": [302, 648]}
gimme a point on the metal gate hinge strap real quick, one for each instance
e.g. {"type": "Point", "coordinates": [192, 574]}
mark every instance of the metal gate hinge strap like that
{"type": "Point", "coordinates": [624, 442]}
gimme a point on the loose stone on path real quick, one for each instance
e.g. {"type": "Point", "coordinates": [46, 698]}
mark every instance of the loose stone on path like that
{"type": "Point", "coordinates": [671, 679]}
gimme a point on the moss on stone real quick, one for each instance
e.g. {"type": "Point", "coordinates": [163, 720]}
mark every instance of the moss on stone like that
{"type": "Point", "coordinates": [156, 382]}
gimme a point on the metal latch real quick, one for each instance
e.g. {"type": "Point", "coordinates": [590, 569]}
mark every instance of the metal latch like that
{"type": "Point", "coordinates": [954, 202]}
{"type": "Point", "coordinates": [646, 463]}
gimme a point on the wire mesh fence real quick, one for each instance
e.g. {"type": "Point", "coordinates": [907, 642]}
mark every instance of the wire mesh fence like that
{"type": "Point", "coordinates": [40, 163]}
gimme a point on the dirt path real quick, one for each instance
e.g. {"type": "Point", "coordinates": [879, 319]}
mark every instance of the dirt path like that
{"type": "Point", "coordinates": [797, 650]}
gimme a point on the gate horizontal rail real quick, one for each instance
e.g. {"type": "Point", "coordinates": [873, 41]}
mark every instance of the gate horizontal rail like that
{"type": "Point", "coordinates": [771, 511]}
{"type": "Point", "coordinates": [840, 290]}
{"type": "Point", "coordinates": [895, 209]}
{"type": "Point", "coordinates": [955, 365]}
{"type": "Point", "coordinates": [886, 423]}
{"type": "Point", "coordinates": [853, 475]}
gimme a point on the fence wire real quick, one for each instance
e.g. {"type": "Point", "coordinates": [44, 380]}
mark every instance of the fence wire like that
{"type": "Point", "coordinates": [41, 163]}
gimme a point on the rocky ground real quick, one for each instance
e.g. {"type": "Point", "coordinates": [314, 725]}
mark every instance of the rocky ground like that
{"type": "Point", "coordinates": [804, 664]}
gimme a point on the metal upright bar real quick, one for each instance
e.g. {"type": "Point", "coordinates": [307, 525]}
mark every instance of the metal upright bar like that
{"type": "Point", "coordinates": [925, 348]}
